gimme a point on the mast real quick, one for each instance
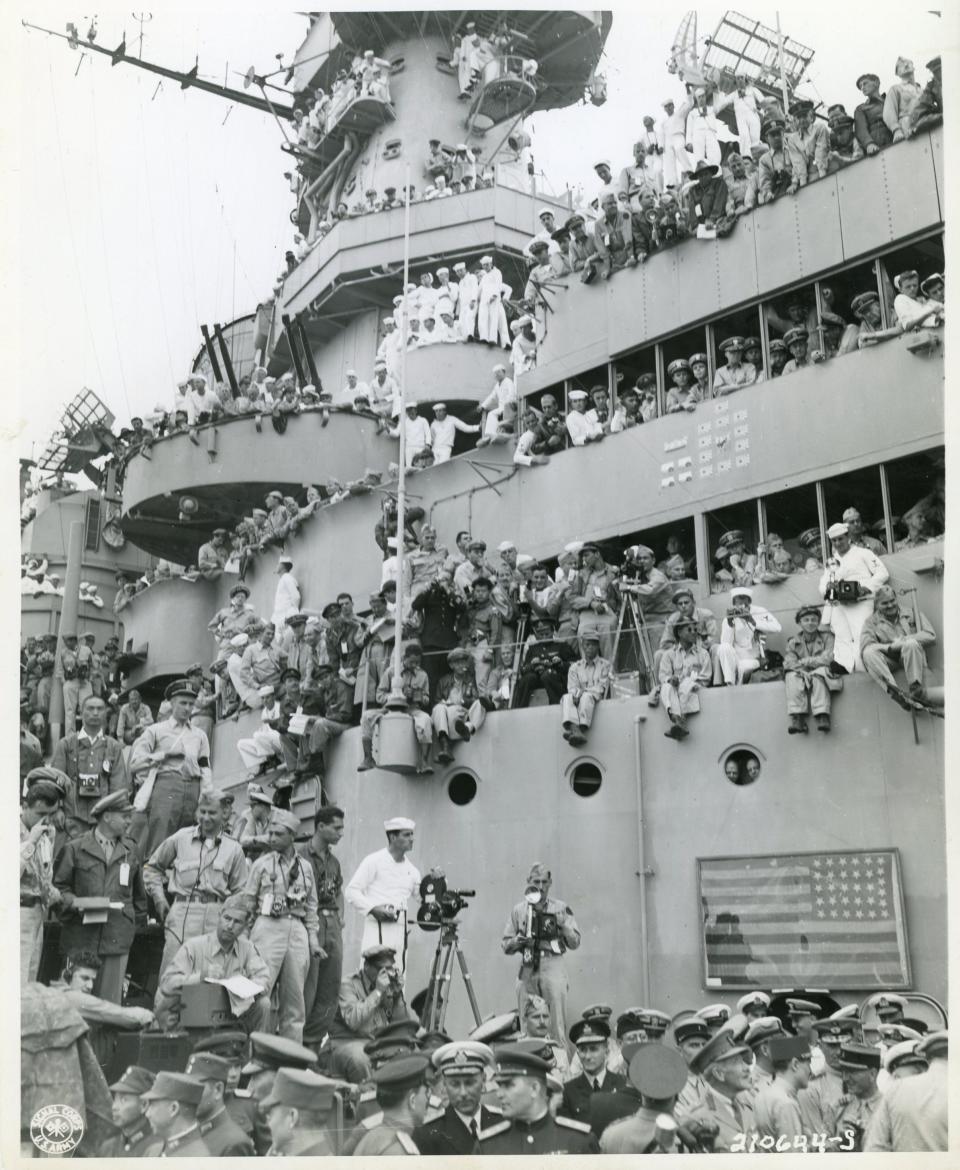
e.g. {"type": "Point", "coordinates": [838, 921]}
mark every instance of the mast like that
{"type": "Point", "coordinates": [396, 692]}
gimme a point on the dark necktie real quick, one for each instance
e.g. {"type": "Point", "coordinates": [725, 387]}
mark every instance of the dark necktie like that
{"type": "Point", "coordinates": [473, 1128]}
{"type": "Point", "coordinates": [596, 1084]}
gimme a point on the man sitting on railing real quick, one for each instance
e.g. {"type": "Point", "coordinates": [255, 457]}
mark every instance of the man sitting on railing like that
{"type": "Point", "coordinates": [869, 126]}
{"type": "Point", "coordinates": [458, 712]}
{"type": "Point", "coordinates": [892, 636]}
{"type": "Point", "coordinates": [684, 668]}
{"type": "Point", "coordinates": [587, 683]}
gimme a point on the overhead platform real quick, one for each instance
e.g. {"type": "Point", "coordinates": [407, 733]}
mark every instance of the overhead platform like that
{"type": "Point", "coordinates": [361, 117]}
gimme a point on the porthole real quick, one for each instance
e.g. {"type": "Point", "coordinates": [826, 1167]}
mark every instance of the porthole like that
{"type": "Point", "coordinates": [586, 778]}
{"type": "Point", "coordinates": [462, 787]}
{"type": "Point", "coordinates": [741, 765]}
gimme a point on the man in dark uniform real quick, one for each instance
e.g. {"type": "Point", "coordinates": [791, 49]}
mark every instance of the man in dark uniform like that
{"type": "Point", "coordinates": [234, 1047]}
{"type": "Point", "coordinates": [590, 1038]}
{"type": "Point", "coordinates": [94, 870]}
{"type": "Point", "coordinates": [223, 1137]}
{"type": "Point", "coordinates": [545, 664]}
{"type": "Point", "coordinates": [528, 1127]}
{"type": "Point", "coordinates": [171, 1108]}
{"type": "Point", "coordinates": [403, 1095]}
{"type": "Point", "coordinates": [871, 130]}
{"type": "Point", "coordinates": [394, 1039]}
{"type": "Point", "coordinates": [462, 1065]}
{"type": "Point", "coordinates": [129, 1116]}
{"type": "Point", "coordinates": [94, 763]}
{"type": "Point", "coordinates": [860, 1064]}
{"type": "Point", "coordinates": [299, 1113]}
{"type": "Point", "coordinates": [326, 970]}
{"type": "Point", "coordinates": [268, 1054]}
{"type": "Point", "coordinates": [658, 1073]}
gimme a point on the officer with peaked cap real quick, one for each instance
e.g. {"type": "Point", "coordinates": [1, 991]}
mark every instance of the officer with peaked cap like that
{"type": "Point", "coordinates": [528, 1127]}
{"type": "Point", "coordinates": [754, 1004]}
{"type": "Point", "coordinates": [299, 1113]}
{"type": "Point", "coordinates": [590, 1038]}
{"type": "Point", "coordinates": [658, 1074]}
{"type": "Point", "coordinates": [757, 1038]}
{"type": "Point", "coordinates": [820, 1100]}
{"type": "Point", "coordinates": [381, 888]}
{"type": "Point", "coordinates": [173, 758]}
{"type": "Point", "coordinates": [725, 1066]}
{"type": "Point", "coordinates": [171, 1108]}
{"type": "Point", "coordinates": [776, 1110]}
{"type": "Point", "coordinates": [912, 1114]}
{"type": "Point", "coordinates": [129, 1116]}
{"type": "Point", "coordinates": [403, 1095]}
{"type": "Point", "coordinates": [102, 864]}
{"type": "Point", "coordinates": [902, 1060]}
{"type": "Point", "coordinates": [222, 1135]}
{"type": "Point", "coordinates": [888, 1006]}
{"type": "Point", "coordinates": [860, 1065]}
{"type": "Point", "coordinates": [462, 1065]}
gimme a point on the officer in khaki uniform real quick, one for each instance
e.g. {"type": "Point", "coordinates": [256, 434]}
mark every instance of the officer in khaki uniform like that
{"type": "Point", "coordinates": [860, 1064]}
{"type": "Point", "coordinates": [93, 761]}
{"type": "Point", "coordinates": [129, 1116]}
{"type": "Point", "coordinates": [171, 1109]}
{"type": "Point", "coordinates": [299, 1114]}
{"type": "Point", "coordinates": [73, 671]}
{"type": "Point", "coordinates": [725, 1066]}
{"type": "Point", "coordinates": [528, 1127]}
{"type": "Point", "coordinates": [403, 1095]}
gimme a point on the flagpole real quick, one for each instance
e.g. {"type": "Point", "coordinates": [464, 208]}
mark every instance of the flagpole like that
{"type": "Point", "coordinates": [783, 72]}
{"type": "Point", "coordinates": [396, 691]}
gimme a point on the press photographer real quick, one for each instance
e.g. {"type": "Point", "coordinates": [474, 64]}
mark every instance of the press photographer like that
{"type": "Point", "coordinates": [369, 1000]}
{"type": "Point", "coordinates": [541, 930]}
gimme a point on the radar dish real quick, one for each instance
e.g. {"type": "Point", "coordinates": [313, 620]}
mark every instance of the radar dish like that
{"type": "Point", "coordinates": [744, 47]}
{"type": "Point", "coordinates": [80, 435]}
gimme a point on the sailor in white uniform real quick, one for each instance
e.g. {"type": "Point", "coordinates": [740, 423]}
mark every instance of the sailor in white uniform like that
{"type": "Point", "coordinates": [382, 887]}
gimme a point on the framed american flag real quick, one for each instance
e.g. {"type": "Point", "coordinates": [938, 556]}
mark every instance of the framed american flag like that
{"type": "Point", "coordinates": [831, 920]}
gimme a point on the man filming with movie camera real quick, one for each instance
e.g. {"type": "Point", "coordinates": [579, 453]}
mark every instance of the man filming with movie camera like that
{"type": "Point", "coordinates": [541, 930]}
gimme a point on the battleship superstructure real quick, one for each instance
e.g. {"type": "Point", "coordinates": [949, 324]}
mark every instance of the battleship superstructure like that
{"type": "Point", "coordinates": [625, 821]}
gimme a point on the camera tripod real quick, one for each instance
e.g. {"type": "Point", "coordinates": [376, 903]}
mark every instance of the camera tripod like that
{"type": "Point", "coordinates": [441, 972]}
{"type": "Point", "coordinates": [645, 663]}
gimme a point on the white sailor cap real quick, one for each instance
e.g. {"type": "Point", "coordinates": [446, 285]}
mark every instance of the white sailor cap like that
{"type": "Point", "coordinates": [459, 265]}
{"type": "Point", "coordinates": [265, 691]}
{"type": "Point", "coordinates": [439, 406]}
{"type": "Point", "coordinates": [239, 640]}
{"type": "Point", "coordinates": [390, 320]}
{"type": "Point", "coordinates": [397, 299]}
{"type": "Point", "coordinates": [836, 530]}
{"type": "Point", "coordinates": [461, 148]}
{"type": "Point", "coordinates": [401, 824]}
{"type": "Point", "coordinates": [741, 591]}
{"type": "Point", "coordinates": [603, 162]}
{"type": "Point", "coordinates": [379, 364]}
{"type": "Point", "coordinates": [526, 319]}
{"type": "Point", "coordinates": [486, 259]}
{"type": "Point", "coordinates": [505, 545]}
{"type": "Point", "coordinates": [443, 271]}
{"type": "Point", "coordinates": [351, 373]}
{"type": "Point", "coordinates": [498, 366]}
{"type": "Point", "coordinates": [547, 210]}
{"type": "Point", "coordinates": [576, 395]}
{"type": "Point", "coordinates": [574, 546]}
{"type": "Point", "coordinates": [524, 559]}
{"type": "Point", "coordinates": [410, 287]}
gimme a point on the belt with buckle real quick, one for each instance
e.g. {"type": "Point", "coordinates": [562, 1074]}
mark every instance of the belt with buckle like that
{"type": "Point", "coordinates": [197, 896]}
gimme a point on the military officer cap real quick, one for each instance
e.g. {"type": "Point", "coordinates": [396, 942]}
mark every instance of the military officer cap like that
{"type": "Point", "coordinates": [657, 1072]}
{"type": "Point", "coordinates": [51, 778]}
{"type": "Point", "coordinates": [690, 1029]}
{"type": "Point", "coordinates": [377, 951]}
{"type": "Point", "coordinates": [861, 300]}
{"type": "Point", "coordinates": [677, 364]}
{"type": "Point", "coordinates": [480, 544]}
{"type": "Point", "coordinates": [233, 1044]}
{"type": "Point", "coordinates": [462, 1057]}
{"type": "Point", "coordinates": [274, 495]}
{"type": "Point", "coordinates": [171, 1086]}
{"type": "Point", "coordinates": [589, 1032]}
{"type": "Point", "coordinates": [544, 619]}
{"type": "Point", "coordinates": [809, 538]}
{"type": "Point", "coordinates": [538, 246]}
{"type": "Point", "coordinates": [771, 126]}
{"type": "Point", "coordinates": [497, 1027]}
{"type": "Point", "coordinates": [801, 612]}
{"type": "Point", "coordinates": [118, 801]}
{"type": "Point", "coordinates": [778, 346]}
{"type": "Point", "coordinates": [135, 1080]}
{"type": "Point", "coordinates": [258, 796]}
{"type": "Point", "coordinates": [904, 1053]}
{"type": "Point", "coordinates": [399, 824]}
{"type": "Point", "coordinates": [290, 672]}
{"type": "Point", "coordinates": [403, 1072]}
{"type": "Point", "coordinates": [683, 593]}
{"type": "Point", "coordinates": [506, 546]}
{"type": "Point", "coordinates": [835, 1031]}
{"type": "Point", "coordinates": [801, 106]}
{"type": "Point", "coordinates": [71, 637]}
{"type": "Point", "coordinates": [897, 1033]}
{"type": "Point", "coordinates": [573, 220]}
{"type": "Point", "coordinates": [859, 1057]}
{"type": "Point", "coordinates": [930, 280]}
{"type": "Point", "coordinates": [458, 654]}
{"type": "Point", "coordinates": [641, 550]}
{"type": "Point", "coordinates": [395, 1029]}
{"type": "Point", "coordinates": [762, 1029]}
{"type": "Point", "coordinates": [734, 536]}
{"type": "Point", "coordinates": [722, 1046]}
{"type": "Point", "coordinates": [698, 359]}
{"type": "Point", "coordinates": [867, 77]}
{"type": "Point", "coordinates": [729, 343]}
{"type": "Point", "coordinates": [753, 999]}
{"type": "Point", "coordinates": [240, 588]}
{"type": "Point", "coordinates": [598, 1011]}
{"type": "Point", "coordinates": [802, 1007]}
{"type": "Point", "coordinates": [887, 1002]}
{"type": "Point", "coordinates": [797, 333]}
{"type": "Point", "coordinates": [933, 1044]}
{"type": "Point", "coordinates": [285, 819]}
{"type": "Point", "coordinates": [512, 1060]}
{"type": "Point", "coordinates": [577, 395]}
{"type": "Point", "coordinates": [331, 609]}
{"type": "Point", "coordinates": [207, 1066]}
{"type": "Point", "coordinates": [838, 529]}
{"type": "Point", "coordinates": [194, 668]}
{"type": "Point", "coordinates": [653, 1021]}
{"type": "Point", "coordinates": [842, 121]}
{"type": "Point", "coordinates": [299, 1088]}
{"type": "Point", "coordinates": [715, 1013]}
{"type": "Point", "coordinates": [788, 1048]}
{"type": "Point", "coordinates": [269, 1051]}
{"type": "Point", "coordinates": [383, 1048]}
{"type": "Point", "coordinates": [629, 1021]}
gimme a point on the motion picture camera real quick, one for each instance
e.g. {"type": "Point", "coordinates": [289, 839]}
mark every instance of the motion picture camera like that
{"type": "Point", "coordinates": [438, 904]}
{"type": "Point", "coordinates": [541, 928]}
